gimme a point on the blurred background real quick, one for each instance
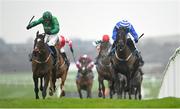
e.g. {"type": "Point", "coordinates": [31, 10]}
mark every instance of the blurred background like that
{"type": "Point", "coordinates": [85, 21]}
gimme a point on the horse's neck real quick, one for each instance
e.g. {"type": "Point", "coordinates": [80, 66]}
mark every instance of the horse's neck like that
{"type": "Point", "coordinates": [61, 59]}
{"type": "Point", "coordinates": [124, 53]}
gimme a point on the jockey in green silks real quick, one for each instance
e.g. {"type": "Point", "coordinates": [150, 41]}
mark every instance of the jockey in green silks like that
{"type": "Point", "coordinates": [51, 28]}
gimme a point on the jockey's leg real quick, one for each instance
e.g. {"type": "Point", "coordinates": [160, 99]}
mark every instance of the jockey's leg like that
{"type": "Point", "coordinates": [133, 49]}
{"type": "Point", "coordinates": [54, 53]}
{"type": "Point", "coordinates": [51, 40]}
{"type": "Point", "coordinates": [65, 58]}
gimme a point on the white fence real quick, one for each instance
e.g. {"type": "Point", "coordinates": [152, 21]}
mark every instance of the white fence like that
{"type": "Point", "coordinates": [171, 79]}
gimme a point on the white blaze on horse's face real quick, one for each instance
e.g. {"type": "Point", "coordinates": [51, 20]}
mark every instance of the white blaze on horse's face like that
{"type": "Point", "coordinates": [83, 68]}
{"type": "Point", "coordinates": [38, 39]}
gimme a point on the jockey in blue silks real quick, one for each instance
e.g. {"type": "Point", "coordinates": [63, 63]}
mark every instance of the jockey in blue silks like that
{"type": "Point", "coordinates": [130, 43]}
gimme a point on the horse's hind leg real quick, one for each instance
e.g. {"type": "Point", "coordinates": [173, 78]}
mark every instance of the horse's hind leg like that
{"type": "Point", "coordinates": [46, 82]}
{"type": "Point", "coordinates": [80, 94]}
{"type": "Point", "coordinates": [36, 90]}
{"type": "Point", "coordinates": [63, 79]}
{"type": "Point", "coordinates": [89, 93]}
{"type": "Point", "coordinates": [139, 90]}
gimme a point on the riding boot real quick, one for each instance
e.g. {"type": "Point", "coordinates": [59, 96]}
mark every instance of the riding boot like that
{"type": "Point", "coordinates": [54, 54]}
{"type": "Point", "coordinates": [131, 45]}
{"type": "Point", "coordinates": [65, 58]}
{"type": "Point", "coordinates": [135, 51]}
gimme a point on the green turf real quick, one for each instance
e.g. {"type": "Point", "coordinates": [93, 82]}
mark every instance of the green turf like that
{"type": "Point", "coordinates": [89, 103]}
{"type": "Point", "coordinates": [16, 90]}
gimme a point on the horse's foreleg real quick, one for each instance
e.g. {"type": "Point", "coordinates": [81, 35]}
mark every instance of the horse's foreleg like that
{"type": "Point", "coordinates": [100, 93]}
{"type": "Point", "coordinates": [51, 88]}
{"type": "Point", "coordinates": [41, 85]}
{"type": "Point", "coordinates": [46, 82]}
{"type": "Point", "coordinates": [36, 90]}
{"type": "Point", "coordinates": [136, 91]}
{"type": "Point", "coordinates": [103, 89]}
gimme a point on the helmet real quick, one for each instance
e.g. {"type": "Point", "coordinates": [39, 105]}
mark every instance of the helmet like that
{"type": "Point", "coordinates": [105, 38]}
{"type": "Point", "coordinates": [47, 15]}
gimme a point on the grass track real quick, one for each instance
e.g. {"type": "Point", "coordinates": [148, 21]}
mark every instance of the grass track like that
{"type": "Point", "coordinates": [89, 103]}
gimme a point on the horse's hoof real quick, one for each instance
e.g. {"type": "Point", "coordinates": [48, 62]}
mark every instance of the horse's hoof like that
{"type": "Point", "coordinates": [41, 88]}
{"type": "Point", "coordinates": [62, 94]}
{"type": "Point", "coordinates": [100, 94]}
{"type": "Point", "coordinates": [51, 93]}
{"type": "Point", "coordinates": [37, 97]}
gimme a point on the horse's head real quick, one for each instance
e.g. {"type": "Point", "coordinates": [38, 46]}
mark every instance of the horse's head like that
{"type": "Point", "coordinates": [39, 44]}
{"type": "Point", "coordinates": [104, 47]}
{"type": "Point", "coordinates": [121, 38]}
{"type": "Point", "coordinates": [85, 67]}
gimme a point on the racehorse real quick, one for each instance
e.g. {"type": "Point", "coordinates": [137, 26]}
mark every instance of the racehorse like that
{"type": "Point", "coordinates": [42, 65]}
{"type": "Point", "coordinates": [84, 80]}
{"type": "Point", "coordinates": [104, 68]}
{"type": "Point", "coordinates": [120, 85]}
{"type": "Point", "coordinates": [124, 61]}
{"type": "Point", "coordinates": [60, 71]}
{"type": "Point", "coordinates": [136, 82]}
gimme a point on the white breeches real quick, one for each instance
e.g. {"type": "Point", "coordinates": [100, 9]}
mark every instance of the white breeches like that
{"type": "Point", "coordinates": [51, 40]}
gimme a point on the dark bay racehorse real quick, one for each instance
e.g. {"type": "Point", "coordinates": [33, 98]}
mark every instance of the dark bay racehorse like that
{"type": "Point", "coordinates": [84, 80]}
{"type": "Point", "coordinates": [123, 60]}
{"type": "Point", "coordinates": [104, 68]}
{"type": "Point", "coordinates": [42, 65]}
{"type": "Point", "coordinates": [120, 85]}
{"type": "Point", "coordinates": [136, 83]}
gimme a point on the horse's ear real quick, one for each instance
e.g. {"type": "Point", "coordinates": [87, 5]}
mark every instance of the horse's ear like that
{"type": "Point", "coordinates": [37, 33]}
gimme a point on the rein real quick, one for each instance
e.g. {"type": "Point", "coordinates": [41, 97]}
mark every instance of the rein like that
{"type": "Point", "coordinates": [41, 62]}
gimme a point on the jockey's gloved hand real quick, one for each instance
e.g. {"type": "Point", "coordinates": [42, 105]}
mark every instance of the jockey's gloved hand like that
{"type": "Point", "coordinates": [71, 49]}
{"type": "Point", "coordinates": [48, 32]}
{"type": "Point", "coordinates": [28, 27]}
{"type": "Point", "coordinates": [136, 40]}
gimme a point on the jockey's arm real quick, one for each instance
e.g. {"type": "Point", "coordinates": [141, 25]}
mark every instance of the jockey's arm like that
{"type": "Point", "coordinates": [37, 22]}
{"type": "Point", "coordinates": [55, 29]}
{"type": "Point", "coordinates": [134, 34]}
{"type": "Point", "coordinates": [114, 33]}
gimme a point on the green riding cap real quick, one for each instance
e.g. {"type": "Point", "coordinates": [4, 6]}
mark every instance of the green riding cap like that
{"type": "Point", "coordinates": [50, 23]}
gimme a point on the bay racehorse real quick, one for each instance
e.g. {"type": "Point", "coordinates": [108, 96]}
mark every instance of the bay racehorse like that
{"type": "Point", "coordinates": [104, 68]}
{"type": "Point", "coordinates": [42, 65]}
{"type": "Point", "coordinates": [60, 71]}
{"type": "Point", "coordinates": [84, 79]}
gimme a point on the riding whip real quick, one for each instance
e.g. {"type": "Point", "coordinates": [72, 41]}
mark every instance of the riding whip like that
{"type": "Point", "coordinates": [73, 54]}
{"type": "Point", "coordinates": [31, 19]}
{"type": "Point", "coordinates": [141, 36]}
